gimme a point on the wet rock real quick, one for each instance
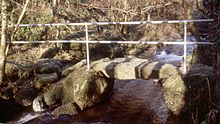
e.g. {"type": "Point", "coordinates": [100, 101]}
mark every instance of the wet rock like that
{"type": "Point", "coordinates": [25, 96]}
{"type": "Point", "coordinates": [42, 80]}
{"type": "Point", "coordinates": [81, 88]}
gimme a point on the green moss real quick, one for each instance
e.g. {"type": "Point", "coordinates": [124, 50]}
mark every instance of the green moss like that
{"type": "Point", "coordinates": [174, 92]}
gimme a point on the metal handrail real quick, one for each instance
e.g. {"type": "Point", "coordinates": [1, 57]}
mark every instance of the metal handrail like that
{"type": "Point", "coordinates": [87, 41]}
{"type": "Point", "coordinates": [109, 41]}
{"type": "Point", "coordinates": [114, 23]}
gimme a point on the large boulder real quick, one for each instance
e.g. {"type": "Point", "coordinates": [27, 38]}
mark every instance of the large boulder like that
{"type": "Point", "coordinates": [186, 93]}
{"type": "Point", "coordinates": [134, 68]}
{"type": "Point", "coordinates": [79, 90]}
{"type": "Point", "coordinates": [174, 93]}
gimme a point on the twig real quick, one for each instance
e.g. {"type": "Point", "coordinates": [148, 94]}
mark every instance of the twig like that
{"type": "Point", "coordinates": [20, 18]}
{"type": "Point", "coordinates": [18, 4]}
{"type": "Point", "coordinates": [210, 96]}
{"type": "Point", "coordinates": [195, 119]}
{"type": "Point", "coordinates": [112, 9]}
{"type": "Point", "coordinates": [156, 6]}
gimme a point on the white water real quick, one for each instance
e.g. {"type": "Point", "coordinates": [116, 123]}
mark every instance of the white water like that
{"type": "Point", "coordinates": [28, 117]}
{"type": "Point", "coordinates": [31, 116]}
{"type": "Point", "coordinates": [164, 57]}
{"type": "Point", "coordinates": [175, 53]}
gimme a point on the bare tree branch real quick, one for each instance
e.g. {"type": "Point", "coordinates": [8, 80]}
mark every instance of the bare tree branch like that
{"type": "Point", "coordinates": [20, 18]}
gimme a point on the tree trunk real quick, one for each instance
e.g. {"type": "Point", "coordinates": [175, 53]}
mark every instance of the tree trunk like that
{"type": "Point", "coordinates": [3, 41]}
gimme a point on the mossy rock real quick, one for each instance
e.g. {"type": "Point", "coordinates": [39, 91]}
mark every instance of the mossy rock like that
{"type": "Point", "coordinates": [79, 90]}
{"type": "Point", "coordinates": [158, 70]}
{"type": "Point", "coordinates": [43, 80]}
{"type": "Point", "coordinates": [88, 88]}
{"type": "Point", "coordinates": [174, 93]}
{"type": "Point", "coordinates": [134, 68]}
{"type": "Point", "coordinates": [184, 93]}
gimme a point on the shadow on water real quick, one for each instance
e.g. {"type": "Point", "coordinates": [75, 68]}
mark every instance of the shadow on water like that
{"type": "Point", "coordinates": [10, 110]}
{"type": "Point", "coordinates": [133, 102]}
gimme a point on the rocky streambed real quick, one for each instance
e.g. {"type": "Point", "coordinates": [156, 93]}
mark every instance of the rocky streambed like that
{"type": "Point", "coordinates": [148, 89]}
{"type": "Point", "coordinates": [122, 90]}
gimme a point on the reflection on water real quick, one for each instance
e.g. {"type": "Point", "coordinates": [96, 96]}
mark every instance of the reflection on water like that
{"type": "Point", "coordinates": [133, 102]}
{"type": "Point", "coordinates": [138, 101]}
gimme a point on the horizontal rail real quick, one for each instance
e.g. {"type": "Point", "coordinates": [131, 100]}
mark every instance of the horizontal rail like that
{"type": "Point", "coordinates": [114, 23]}
{"type": "Point", "coordinates": [87, 41]}
{"type": "Point", "coordinates": [120, 42]}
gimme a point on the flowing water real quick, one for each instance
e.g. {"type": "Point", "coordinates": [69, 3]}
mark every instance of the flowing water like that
{"type": "Point", "coordinates": [174, 53]}
{"type": "Point", "coordinates": [132, 102]}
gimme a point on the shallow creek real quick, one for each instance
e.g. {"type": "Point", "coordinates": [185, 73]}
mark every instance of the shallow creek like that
{"type": "Point", "coordinates": [132, 102]}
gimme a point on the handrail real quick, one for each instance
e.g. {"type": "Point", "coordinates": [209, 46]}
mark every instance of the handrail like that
{"type": "Point", "coordinates": [113, 23]}
{"type": "Point", "coordinates": [87, 41]}
{"type": "Point", "coordinates": [108, 41]}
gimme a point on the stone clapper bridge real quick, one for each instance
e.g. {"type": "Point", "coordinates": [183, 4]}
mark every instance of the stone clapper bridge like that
{"type": "Point", "coordinates": [87, 41]}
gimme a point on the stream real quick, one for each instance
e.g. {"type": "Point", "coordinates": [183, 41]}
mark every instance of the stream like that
{"type": "Point", "coordinates": [132, 102]}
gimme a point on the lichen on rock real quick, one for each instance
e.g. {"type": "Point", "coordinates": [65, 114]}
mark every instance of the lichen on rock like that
{"type": "Point", "coordinates": [79, 90]}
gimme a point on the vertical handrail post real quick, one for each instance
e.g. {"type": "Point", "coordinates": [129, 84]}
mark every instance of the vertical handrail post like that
{"type": "Point", "coordinates": [87, 47]}
{"type": "Point", "coordinates": [57, 37]}
{"type": "Point", "coordinates": [185, 49]}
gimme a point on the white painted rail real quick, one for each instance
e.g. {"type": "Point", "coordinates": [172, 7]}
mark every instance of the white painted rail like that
{"type": "Point", "coordinates": [114, 23]}
{"type": "Point", "coordinates": [87, 41]}
{"type": "Point", "coordinates": [108, 41]}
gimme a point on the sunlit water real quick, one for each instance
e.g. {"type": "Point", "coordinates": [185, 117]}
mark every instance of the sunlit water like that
{"type": "Point", "coordinates": [174, 53]}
